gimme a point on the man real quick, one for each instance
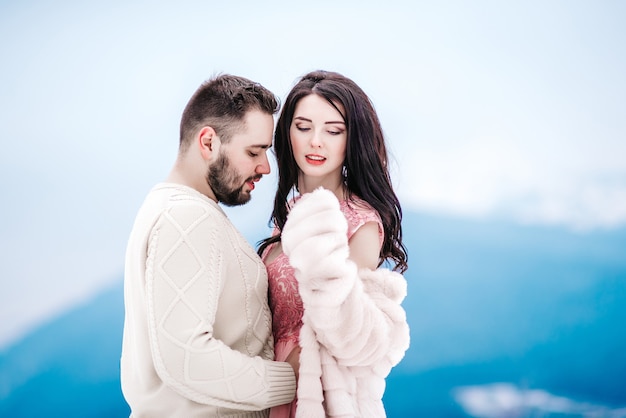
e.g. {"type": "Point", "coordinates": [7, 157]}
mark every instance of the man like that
{"type": "Point", "coordinates": [197, 332]}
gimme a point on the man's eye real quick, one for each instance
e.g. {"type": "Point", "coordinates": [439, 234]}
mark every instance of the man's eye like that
{"type": "Point", "coordinates": [252, 154]}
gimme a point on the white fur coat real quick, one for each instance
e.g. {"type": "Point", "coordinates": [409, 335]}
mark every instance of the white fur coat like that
{"type": "Point", "coordinates": [354, 327]}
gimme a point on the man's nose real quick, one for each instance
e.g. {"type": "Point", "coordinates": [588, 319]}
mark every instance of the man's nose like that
{"type": "Point", "coordinates": [264, 167]}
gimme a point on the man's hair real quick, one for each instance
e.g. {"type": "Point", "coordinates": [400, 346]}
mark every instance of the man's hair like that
{"type": "Point", "coordinates": [222, 103]}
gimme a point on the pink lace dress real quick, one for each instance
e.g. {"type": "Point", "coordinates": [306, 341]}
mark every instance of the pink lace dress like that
{"type": "Point", "coordinates": [285, 300]}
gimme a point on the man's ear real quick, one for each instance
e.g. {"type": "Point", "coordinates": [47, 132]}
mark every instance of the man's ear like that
{"type": "Point", "coordinates": [208, 142]}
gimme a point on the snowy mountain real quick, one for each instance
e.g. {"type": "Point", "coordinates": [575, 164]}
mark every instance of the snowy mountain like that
{"type": "Point", "coordinates": [505, 320]}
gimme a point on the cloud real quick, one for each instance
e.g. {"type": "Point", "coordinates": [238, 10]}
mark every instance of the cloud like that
{"type": "Point", "coordinates": [496, 176]}
{"type": "Point", "coordinates": [499, 400]}
{"type": "Point", "coordinates": [93, 93]}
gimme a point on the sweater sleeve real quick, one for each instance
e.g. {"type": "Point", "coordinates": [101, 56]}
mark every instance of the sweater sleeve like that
{"type": "Point", "coordinates": [184, 275]}
{"type": "Point", "coordinates": [355, 315]}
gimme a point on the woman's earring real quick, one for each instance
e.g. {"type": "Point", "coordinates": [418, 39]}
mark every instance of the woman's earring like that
{"type": "Point", "coordinates": [344, 173]}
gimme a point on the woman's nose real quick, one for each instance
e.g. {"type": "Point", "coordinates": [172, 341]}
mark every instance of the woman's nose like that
{"type": "Point", "coordinates": [316, 140]}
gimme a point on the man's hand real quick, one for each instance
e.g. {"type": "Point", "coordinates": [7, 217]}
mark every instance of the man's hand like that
{"type": "Point", "coordinates": [294, 360]}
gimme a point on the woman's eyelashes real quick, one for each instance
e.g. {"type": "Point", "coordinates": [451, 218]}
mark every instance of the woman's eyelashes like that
{"type": "Point", "coordinates": [302, 128]}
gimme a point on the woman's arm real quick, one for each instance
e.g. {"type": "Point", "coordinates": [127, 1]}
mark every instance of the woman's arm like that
{"type": "Point", "coordinates": [364, 246]}
{"type": "Point", "coordinates": [356, 326]}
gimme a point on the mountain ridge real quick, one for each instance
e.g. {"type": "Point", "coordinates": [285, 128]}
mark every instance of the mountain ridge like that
{"type": "Point", "coordinates": [488, 301]}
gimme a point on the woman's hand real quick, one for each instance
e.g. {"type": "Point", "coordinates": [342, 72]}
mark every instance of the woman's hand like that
{"type": "Point", "coordinates": [315, 238]}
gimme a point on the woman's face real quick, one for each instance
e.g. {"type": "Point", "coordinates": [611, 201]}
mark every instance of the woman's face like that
{"type": "Point", "coordinates": [318, 140]}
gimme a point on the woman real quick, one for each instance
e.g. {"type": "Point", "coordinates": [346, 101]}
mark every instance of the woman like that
{"type": "Point", "coordinates": [337, 220]}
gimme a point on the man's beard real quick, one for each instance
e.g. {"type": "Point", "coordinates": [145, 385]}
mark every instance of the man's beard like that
{"type": "Point", "coordinates": [226, 183]}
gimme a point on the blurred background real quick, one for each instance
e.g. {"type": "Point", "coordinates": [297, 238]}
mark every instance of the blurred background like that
{"type": "Point", "coordinates": [506, 125]}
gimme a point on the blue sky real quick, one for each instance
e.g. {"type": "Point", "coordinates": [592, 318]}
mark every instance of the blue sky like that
{"type": "Point", "coordinates": [510, 110]}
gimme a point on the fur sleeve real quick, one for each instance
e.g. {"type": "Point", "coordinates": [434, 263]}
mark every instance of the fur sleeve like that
{"type": "Point", "coordinates": [356, 315]}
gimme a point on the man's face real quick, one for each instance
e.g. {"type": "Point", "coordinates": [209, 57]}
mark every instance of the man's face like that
{"type": "Point", "coordinates": [242, 161]}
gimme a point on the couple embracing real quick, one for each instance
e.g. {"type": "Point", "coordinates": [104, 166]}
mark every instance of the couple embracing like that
{"type": "Point", "coordinates": [309, 324]}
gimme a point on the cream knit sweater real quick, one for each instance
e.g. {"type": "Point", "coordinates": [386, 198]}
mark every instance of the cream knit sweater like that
{"type": "Point", "coordinates": [197, 332]}
{"type": "Point", "coordinates": [354, 327]}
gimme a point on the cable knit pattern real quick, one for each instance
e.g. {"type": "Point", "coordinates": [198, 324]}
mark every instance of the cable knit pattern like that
{"type": "Point", "coordinates": [206, 321]}
{"type": "Point", "coordinates": [354, 327]}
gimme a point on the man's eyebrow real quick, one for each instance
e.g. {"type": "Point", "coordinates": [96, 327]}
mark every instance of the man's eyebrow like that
{"type": "Point", "coordinates": [262, 146]}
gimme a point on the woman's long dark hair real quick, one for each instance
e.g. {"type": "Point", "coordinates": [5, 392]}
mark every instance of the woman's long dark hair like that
{"type": "Point", "coordinates": [366, 167]}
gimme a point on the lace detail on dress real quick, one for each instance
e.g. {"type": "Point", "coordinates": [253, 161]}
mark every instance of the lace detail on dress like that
{"type": "Point", "coordinates": [284, 297]}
